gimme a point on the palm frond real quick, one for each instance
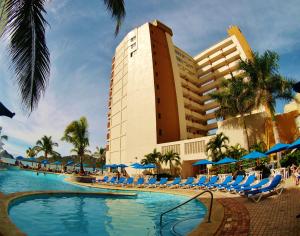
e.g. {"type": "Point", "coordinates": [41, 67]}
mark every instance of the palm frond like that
{"type": "Point", "coordinates": [28, 50]}
{"type": "Point", "coordinates": [117, 9]}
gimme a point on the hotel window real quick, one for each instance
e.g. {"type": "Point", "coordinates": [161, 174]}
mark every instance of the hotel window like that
{"type": "Point", "coordinates": [160, 132]}
{"type": "Point", "coordinates": [156, 73]}
{"type": "Point", "coordinates": [157, 87]}
{"type": "Point", "coordinates": [159, 115]}
{"type": "Point", "coordinates": [158, 100]}
{"type": "Point", "coordinates": [133, 38]}
{"type": "Point", "coordinates": [132, 53]}
{"type": "Point", "coordinates": [133, 46]}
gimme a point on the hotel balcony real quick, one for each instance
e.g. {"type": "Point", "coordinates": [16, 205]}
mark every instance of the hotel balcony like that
{"type": "Point", "coordinates": [195, 125]}
{"type": "Point", "coordinates": [191, 94]}
{"type": "Point", "coordinates": [210, 86]}
{"type": "Point", "coordinates": [211, 105]}
{"type": "Point", "coordinates": [212, 126]}
{"type": "Point", "coordinates": [189, 85]}
{"type": "Point", "coordinates": [195, 115]}
{"type": "Point", "coordinates": [192, 105]}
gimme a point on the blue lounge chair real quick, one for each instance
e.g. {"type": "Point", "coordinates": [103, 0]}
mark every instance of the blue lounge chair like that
{"type": "Point", "coordinates": [175, 182]}
{"type": "Point", "coordinates": [201, 181]}
{"type": "Point", "coordinates": [254, 186]}
{"type": "Point", "coordinates": [237, 181]}
{"type": "Point", "coordinates": [250, 180]}
{"type": "Point", "coordinates": [112, 180]}
{"type": "Point", "coordinates": [162, 182]}
{"type": "Point", "coordinates": [257, 194]}
{"type": "Point", "coordinates": [151, 182]}
{"type": "Point", "coordinates": [120, 181]}
{"type": "Point", "coordinates": [188, 181]}
{"type": "Point", "coordinates": [105, 178]}
{"type": "Point", "coordinates": [227, 180]}
{"type": "Point", "coordinates": [129, 181]}
{"type": "Point", "coordinates": [140, 182]}
{"type": "Point", "coordinates": [212, 180]}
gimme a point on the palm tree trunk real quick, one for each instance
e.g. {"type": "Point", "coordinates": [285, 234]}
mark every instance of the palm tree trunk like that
{"type": "Point", "coordinates": [245, 133]}
{"type": "Point", "coordinates": [46, 155]}
{"type": "Point", "coordinates": [81, 165]}
{"type": "Point", "coordinates": [171, 167]}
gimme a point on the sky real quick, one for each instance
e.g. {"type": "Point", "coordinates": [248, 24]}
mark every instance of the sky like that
{"type": "Point", "coordinates": [81, 42]}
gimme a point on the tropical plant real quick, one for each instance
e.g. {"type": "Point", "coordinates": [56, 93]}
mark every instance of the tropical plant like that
{"type": "Point", "coordinates": [45, 144]}
{"type": "Point", "coordinates": [30, 152]}
{"type": "Point", "coordinates": [290, 159]}
{"type": "Point", "coordinates": [269, 85]}
{"type": "Point", "coordinates": [216, 146]}
{"type": "Point", "coordinates": [100, 154]}
{"type": "Point", "coordinates": [259, 146]}
{"type": "Point", "coordinates": [171, 157]}
{"type": "Point", "coordinates": [235, 152]}
{"type": "Point", "coordinates": [24, 23]}
{"type": "Point", "coordinates": [236, 97]}
{"type": "Point", "coordinates": [76, 133]}
{"type": "Point", "coordinates": [154, 157]}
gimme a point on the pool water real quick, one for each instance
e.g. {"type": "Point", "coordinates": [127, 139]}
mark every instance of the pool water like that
{"type": "Point", "coordinates": [90, 215]}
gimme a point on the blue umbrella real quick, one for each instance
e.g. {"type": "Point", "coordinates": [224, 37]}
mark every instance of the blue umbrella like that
{"type": "Point", "coordinates": [295, 144]}
{"type": "Point", "coordinates": [150, 166]}
{"type": "Point", "coordinates": [111, 166]}
{"type": "Point", "coordinates": [69, 163]}
{"type": "Point", "coordinates": [122, 165]}
{"type": "Point", "coordinates": [19, 158]}
{"type": "Point", "coordinates": [203, 162]}
{"type": "Point", "coordinates": [32, 159]}
{"type": "Point", "coordinates": [45, 162]}
{"type": "Point", "coordinates": [5, 112]}
{"type": "Point", "coordinates": [107, 166]}
{"type": "Point", "coordinates": [253, 155]}
{"type": "Point", "coordinates": [277, 148]}
{"type": "Point", "coordinates": [225, 160]}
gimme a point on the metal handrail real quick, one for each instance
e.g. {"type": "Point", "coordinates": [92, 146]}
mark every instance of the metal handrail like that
{"type": "Point", "coordinates": [210, 207]}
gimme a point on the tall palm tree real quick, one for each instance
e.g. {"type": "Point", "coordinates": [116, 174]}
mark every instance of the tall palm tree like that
{"type": "Point", "coordinates": [216, 145]}
{"type": "Point", "coordinates": [76, 133]}
{"type": "Point", "coordinates": [45, 144]}
{"type": "Point", "coordinates": [24, 22]}
{"type": "Point", "coordinates": [100, 154]}
{"type": "Point", "coordinates": [30, 152]}
{"type": "Point", "coordinates": [236, 97]}
{"type": "Point", "coordinates": [171, 157]}
{"type": "Point", "coordinates": [268, 83]}
{"type": "Point", "coordinates": [236, 151]}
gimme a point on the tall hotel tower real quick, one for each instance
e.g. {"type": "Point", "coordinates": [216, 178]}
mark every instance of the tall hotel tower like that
{"type": "Point", "coordinates": [159, 93]}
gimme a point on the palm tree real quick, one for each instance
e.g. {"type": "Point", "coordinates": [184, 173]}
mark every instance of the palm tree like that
{"type": "Point", "coordinates": [268, 83]}
{"type": "Point", "coordinates": [30, 152]}
{"type": "Point", "coordinates": [76, 133]}
{"type": "Point", "coordinates": [236, 151]}
{"type": "Point", "coordinates": [24, 23]}
{"type": "Point", "coordinates": [171, 157]}
{"type": "Point", "coordinates": [259, 146]}
{"type": "Point", "coordinates": [154, 157]}
{"type": "Point", "coordinates": [216, 145]}
{"type": "Point", "coordinates": [236, 97]}
{"type": "Point", "coordinates": [100, 154]}
{"type": "Point", "coordinates": [45, 144]}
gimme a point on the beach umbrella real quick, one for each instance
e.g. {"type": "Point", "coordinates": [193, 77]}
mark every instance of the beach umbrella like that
{"type": "Point", "coordinates": [150, 166]}
{"type": "Point", "coordinates": [107, 166]}
{"type": "Point", "coordinates": [277, 148]}
{"type": "Point", "coordinates": [122, 165]}
{"type": "Point", "coordinates": [45, 162]}
{"type": "Point", "coordinates": [295, 144]}
{"type": "Point", "coordinates": [253, 155]}
{"type": "Point", "coordinates": [19, 158]}
{"type": "Point", "coordinates": [69, 163]}
{"type": "Point", "coordinates": [56, 163]}
{"type": "Point", "coordinates": [5, 112]}
{"type": "Point", "coordinates": [225, 160]}
{"type": "Point", "coordinates": [32, 159]}
{"type": "Point", "coordinates": [203, 162]}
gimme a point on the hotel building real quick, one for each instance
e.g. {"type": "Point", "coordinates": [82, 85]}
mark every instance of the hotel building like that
{"type": "Point", "coordinates": [159, 94]}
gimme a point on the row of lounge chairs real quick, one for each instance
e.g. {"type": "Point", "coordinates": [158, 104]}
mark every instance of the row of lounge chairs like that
{"type": "Point", "coordinates": [243, 186]}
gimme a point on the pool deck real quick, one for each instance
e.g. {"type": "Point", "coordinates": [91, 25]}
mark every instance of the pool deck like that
{"type": "Point", "coordinates": [235, 215]}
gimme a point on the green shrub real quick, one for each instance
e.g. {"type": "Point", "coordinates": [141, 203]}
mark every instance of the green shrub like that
{"type": "Point", "coordinates": [290, 158]}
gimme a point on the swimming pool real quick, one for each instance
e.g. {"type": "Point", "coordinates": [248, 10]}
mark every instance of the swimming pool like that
{"type": "Point", "coordinates": [89, 215]}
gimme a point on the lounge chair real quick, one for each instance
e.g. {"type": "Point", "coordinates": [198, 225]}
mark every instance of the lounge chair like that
{"type": "Point", "coordinates": [111, 181]}
{"type": "Point", "coordinates": [105, 178]}
{"type": "Point", "coordinates": [175, 182]}
{"type": "Point", "coordinates": [212, 181]}
{"type": "Point", "coordinates": [162, 182]}
{"type": "Point", "coordinates": [250, 180]}
{"type": "Point", "coordinates": [201, 181]}
{"type": "Point", "coordinates": [151, 182]}
{"type": "Point", "coordinates": [237, 181]}
{"type": "Point", "coordinates": [226, 181]}
{"type": "Point", "coordinates": [140, 182]}
{"type": "Point", "coordinates": [254, 186]}
{"type": "Point", "coordinates": [189, 180]}
{"type": "Point", "coordinates": [273, 187]}
{"type": "Point", "coordinates": [120, 181]}
{"type": "Point", "coordinates": [128, 182]}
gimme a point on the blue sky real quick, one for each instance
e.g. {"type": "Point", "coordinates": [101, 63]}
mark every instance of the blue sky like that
{"type": "Point", "coordinates": [81, 41]}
